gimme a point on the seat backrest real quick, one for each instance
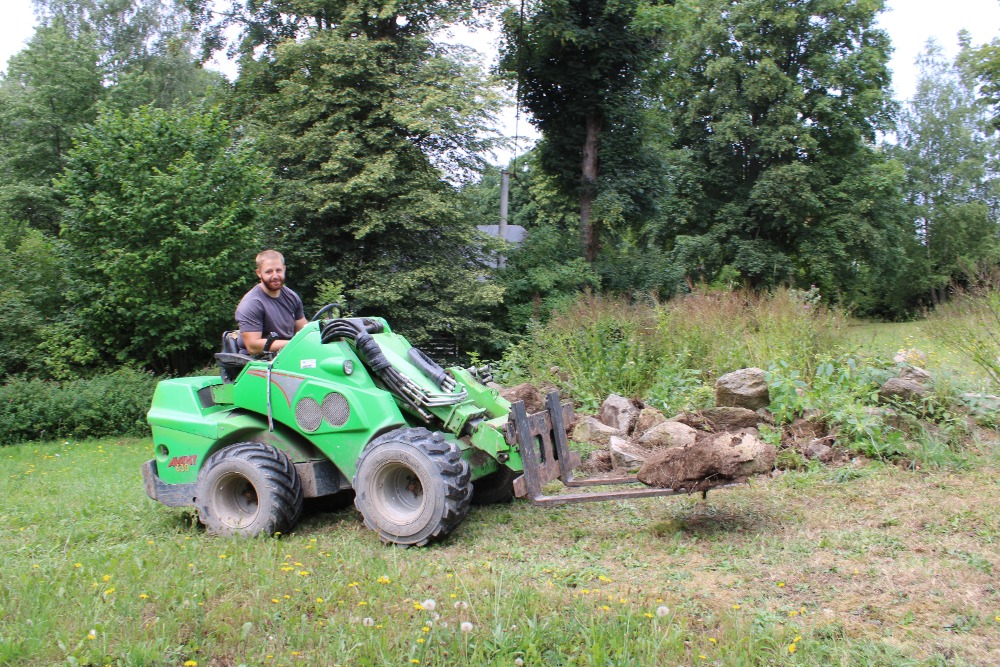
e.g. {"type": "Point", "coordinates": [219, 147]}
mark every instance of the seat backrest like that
{"type": "Point", "coordinates": [230, 342]}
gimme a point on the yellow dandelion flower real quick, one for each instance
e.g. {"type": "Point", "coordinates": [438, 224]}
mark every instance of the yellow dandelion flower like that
{"type": "Point", "coordinates": [418, 606]}
{"type": "Point", "coordinates": [791, 648]}
{"type": "Point", "coordinates": [143, 596]}
{"type": "Point", "coordinates": [303, 573]}
{"type": "Point", "coordinates": [414, 661]}
{"type": "Point", "coordinates": [275, 600]}
{"type": "Point", "coordinates": [288, 597]}
{"type": "Point", "coordinates": [319, 600]}
{"type": "Point", "coordinates": [383, 579]}
{"type": "Point", "coordinates": [77, 564]}
{"type": "Point", "coordinates": [353, 584]}
{"type": "Point", "coordinates": [712, 639]}
{"type": "Point", "coordinates": [190, 663]}
{"type": "Point", "coordinates": [797, 639]}
{"type": "Point", "coordinates": [420, 641]}
{"type": "Point", "coordinates": [781, 584]}
{"type": "Point", "coordinates": [736, 606]}
{"type": "Point", "coordinates": [109, 591]}
{"type": "Point", "coordinates": [648, 615]}
{"type": "Point", "coordinates": [362, 603]}
{"type": "Point", "coordinates": [296, 653]}
{"type": "Point", "coordinates": [606, 608]}
{"type": "Point", "coordinates": [425, 629]}
{"type": "Point", "coordinates": [106, 577]}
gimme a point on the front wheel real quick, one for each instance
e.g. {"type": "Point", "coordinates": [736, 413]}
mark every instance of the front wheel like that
{"type": "Point", "coordinates": [248, 489]}
{"type": "Point", "coordinates": [412, 486]}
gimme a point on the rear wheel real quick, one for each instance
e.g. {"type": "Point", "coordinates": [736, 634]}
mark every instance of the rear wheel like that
{"type": "Point", "coordinates": [412, 486]}
{"type": "Point", "coordinates": [248, 489]}
{"type": "Point", "coordinates": [495, 488]}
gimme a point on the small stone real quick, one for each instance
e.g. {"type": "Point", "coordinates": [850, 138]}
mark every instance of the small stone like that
{"type": "Point", "coordinates": [904, 390]}
{"type": "Point", "coordinates": [591, 430]}
{"type": "Point", "coordinates": [668, 434]}
{"type": "Point", "coordinates": [745, 388]}
{"type": "Point", "coordinates": [620, 413]}
{"type": "Point", "coordinates": [625, 454]}
{"type": "Point", "coordinates": [647, 419]}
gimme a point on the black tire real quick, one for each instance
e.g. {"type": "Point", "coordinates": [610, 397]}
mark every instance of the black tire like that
{"type": "Point", "coordinates": [248, 489]}
{"type": "Point", "coordinates": [412, 486]}
{"type": "Point", "coordinates": [495, 488]}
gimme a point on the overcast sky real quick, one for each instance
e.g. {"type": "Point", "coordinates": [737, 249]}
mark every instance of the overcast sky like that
{"type": "Point", "coordinates": [910, 23]}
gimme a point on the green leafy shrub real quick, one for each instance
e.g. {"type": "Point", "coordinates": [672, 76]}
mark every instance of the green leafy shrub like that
{"type": "Point", "coordinates": [111, 404]}
{"type": "Point", "coordinates": [596, 347]}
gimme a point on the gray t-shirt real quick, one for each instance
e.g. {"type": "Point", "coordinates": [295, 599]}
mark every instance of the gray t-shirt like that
{"type": "Point", "coordinates": [269, 316]}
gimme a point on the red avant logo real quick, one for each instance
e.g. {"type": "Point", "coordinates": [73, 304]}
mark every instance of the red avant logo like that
{"type": "Point", "coordinates": [182, 463]}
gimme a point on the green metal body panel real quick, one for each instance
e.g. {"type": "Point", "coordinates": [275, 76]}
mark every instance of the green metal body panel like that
{"type": "Point", "coordinates": [192, 418]}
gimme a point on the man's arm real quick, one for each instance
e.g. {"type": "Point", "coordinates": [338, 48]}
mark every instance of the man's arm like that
{"type": "Point", "coordinates": [254, 342]}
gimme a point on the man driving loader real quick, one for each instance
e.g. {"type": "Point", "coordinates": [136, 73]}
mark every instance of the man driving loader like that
{"type": "Point", "coordinates": [270, 313]}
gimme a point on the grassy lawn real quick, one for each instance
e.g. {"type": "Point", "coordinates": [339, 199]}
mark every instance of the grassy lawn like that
{"type": "Point", "coordinates": [867, 565]}
{"type": "Point", "coordinates": [887, 338]}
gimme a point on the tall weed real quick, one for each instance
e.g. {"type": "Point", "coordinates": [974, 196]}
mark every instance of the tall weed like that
{"type": "Point", "coordinates": [596, 347]}
{"type": "Point", "coordinates": [667, 353]}
{"type": "Point", "coordinates": [969, 325]}
{"type": "Point", "coordinates": [722, 331]}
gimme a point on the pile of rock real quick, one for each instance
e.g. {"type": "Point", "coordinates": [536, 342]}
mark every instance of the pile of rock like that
{"type": "Point", "coordinates": [692, 451]}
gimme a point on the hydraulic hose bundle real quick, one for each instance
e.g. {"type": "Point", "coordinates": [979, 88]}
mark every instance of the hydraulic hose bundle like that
{"type": "Point", "coordinates": [359, 333]}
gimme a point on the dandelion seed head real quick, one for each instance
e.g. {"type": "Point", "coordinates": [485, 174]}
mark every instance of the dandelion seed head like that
{"type": "Point", "coordinates": [466, 626]}
{"type": "Point", "coordinates": [368, 621]}
{"type": "Point", "coordinates": [429, 605]}
{"type": "Point", "coordinates": [518, 662]}
{"type": "Point", "coordinates": [461, 604]}
{"type": "Point", "coordinates": [662, 610]}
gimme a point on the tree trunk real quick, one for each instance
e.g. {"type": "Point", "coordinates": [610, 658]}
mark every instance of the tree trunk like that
{"type": "Point", "coordinates": [590, 233]}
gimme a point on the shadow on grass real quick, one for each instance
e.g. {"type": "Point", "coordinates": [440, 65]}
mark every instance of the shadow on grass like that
{"type": "Point", "coordinates": [704, 520]}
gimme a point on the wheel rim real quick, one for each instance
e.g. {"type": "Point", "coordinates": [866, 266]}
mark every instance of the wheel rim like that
{"type": "Point", "coordinates": [236, 502]}
{"type": "Point", "coordinates": [398, 493]}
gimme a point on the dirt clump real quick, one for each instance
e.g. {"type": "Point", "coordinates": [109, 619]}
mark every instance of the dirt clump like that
{"type": "Point", "coordinates": [710, 461]}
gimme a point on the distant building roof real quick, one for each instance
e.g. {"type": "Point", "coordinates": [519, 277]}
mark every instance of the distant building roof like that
{"type": "Point", "coordinates": [514, 233]}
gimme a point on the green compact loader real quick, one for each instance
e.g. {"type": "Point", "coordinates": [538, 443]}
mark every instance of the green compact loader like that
{"type": "Point", "coordinates": [349, 407]}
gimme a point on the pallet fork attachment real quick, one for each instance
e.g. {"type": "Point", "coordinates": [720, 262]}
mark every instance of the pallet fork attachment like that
{"type": "Point", "coordinates": [545, 454]}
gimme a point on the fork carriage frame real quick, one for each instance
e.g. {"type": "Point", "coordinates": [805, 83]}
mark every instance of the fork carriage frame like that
{"type": "Point", "coordinates": [546, 456]}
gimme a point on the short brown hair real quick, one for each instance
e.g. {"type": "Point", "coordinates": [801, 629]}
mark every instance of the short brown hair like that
{"type": "Point", "coordinates": [265, 255]}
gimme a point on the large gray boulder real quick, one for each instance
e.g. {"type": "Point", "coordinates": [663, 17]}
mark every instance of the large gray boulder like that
{"type": "Point", "coordinates": [619, 412]}
{"type": "Point", "coordinates": [592, 430]}
{"type": "Point", "coordinates": [668, 434]}
{"type": "Point", "coordinates": [745, 388]}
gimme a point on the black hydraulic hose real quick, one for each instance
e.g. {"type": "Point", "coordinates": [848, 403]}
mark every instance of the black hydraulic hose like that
{"type": "Point", "coordinates": [427, 366]}
{"type": "Point", "coordinates": [370, 352]}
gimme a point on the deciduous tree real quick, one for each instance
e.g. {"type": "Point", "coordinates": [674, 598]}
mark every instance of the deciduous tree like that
{"type": "Point", "coordinates": [775, 108]}
{"type": "Point", "coordinates": [160, 233]}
